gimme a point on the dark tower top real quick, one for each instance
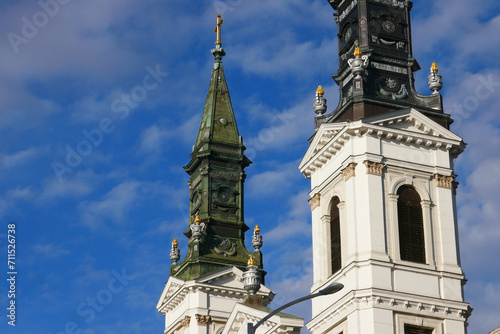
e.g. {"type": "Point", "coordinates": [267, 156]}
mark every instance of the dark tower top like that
{"type": "Point", "coordinates": [217, 229]}
{"type": "Point", "coordinates": [382, 80]}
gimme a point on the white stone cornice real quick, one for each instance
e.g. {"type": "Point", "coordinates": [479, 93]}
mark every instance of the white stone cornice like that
{"type": "Point", "coordinates": [407, 126]}
{"type": "Point", "coordinates": [390, 300]}
{"type": "Point", "coordinates": [176, 290]}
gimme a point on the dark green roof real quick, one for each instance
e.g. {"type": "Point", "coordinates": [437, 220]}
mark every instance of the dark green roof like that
{"type": "Point", "coordinates": [218, 123]}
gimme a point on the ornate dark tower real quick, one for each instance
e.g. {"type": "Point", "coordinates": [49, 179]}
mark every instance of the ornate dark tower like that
{"type": "Point", "coordinates": [383, 82]}
{"type": "Point", "coordinates": [383, 190]}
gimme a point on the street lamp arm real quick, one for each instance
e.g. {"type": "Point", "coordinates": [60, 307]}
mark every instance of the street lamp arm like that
{"type": "Point", "coordinates": [326, 291]}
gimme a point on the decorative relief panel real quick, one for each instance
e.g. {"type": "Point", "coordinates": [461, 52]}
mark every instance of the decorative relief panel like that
{"type": "Point", "coordinates": [390, 68]}
{"type": "Point", "coordinates": [185, 321]}
{"type": "Point", "coordinates": [203, 320]}
{"type": "Point", "coordinates": [225, 149]}
{"type": "Point", "coordinates": [315, 201]}
{"type": "Point", "coordinates": [225, 176]}
{"type": "Point", "coordinates": [374, 168]}
{"type": "Point", "coordinates": [226, 247]}
{"type": "Point", "coordinates": [444, 181]}
{"type": "Point", "coordinates": [349, 171]}
{"type": "Point", "coordinates": [391, 87]}
{"type": "Point", "coordinates": [393, 3]}
{"type": "Point", "coordinates": [345, 12]}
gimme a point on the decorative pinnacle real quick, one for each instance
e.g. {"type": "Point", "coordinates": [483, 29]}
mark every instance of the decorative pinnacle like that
{"type": "Point", "coordinates": [197, 219]}
{"type": "Point", "coordinates": [357, 52]}
{"type": "Point", "coordinates": [434, 68]}
{"type": "Point", "coordinates": [217, 29]}
{"type": "Point", "coordinates": [257, 229]}
{"type": "Point", "coordinates": [251, 261]}
{"type": "Point", "coordinates": [175, 243]}
{"type": "Point", "coordinates": [320, 91]}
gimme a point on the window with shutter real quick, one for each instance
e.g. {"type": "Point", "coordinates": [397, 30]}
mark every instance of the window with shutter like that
{"type": "Point", "coordinates": [411, 225]}
{"type": "Point", "coordinates": [335, 235]}
{"type": "Point", "coordinates": [417, 330]}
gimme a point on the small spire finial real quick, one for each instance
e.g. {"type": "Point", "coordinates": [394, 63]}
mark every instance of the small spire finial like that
{"type": "Point", "coordinates": [434, 68]}
{"type": "Point", "coordinates": [320, 91]}
{"type": "Point", "coordinates": [217, 29]}
{"type": "Point", "coordinates": [197, 219]}
{"type": "Point", "coordinates": [357, 52]}
{"type": "Point", "coordinates": [435, 79]}
{"type": "Point", "coordinates": [257, 238]}
{"type": "Point", "coordinates": [175, 243]}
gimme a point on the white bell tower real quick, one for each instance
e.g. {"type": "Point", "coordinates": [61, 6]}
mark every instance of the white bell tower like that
{"type": "Point", "coordinates": [383, 187]}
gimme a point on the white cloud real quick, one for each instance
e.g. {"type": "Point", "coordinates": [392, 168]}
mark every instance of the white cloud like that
{"type": "Point", "coordinates": [81, 184]}
{"type": "Point", "coordinates": [49, 250]}
{"type": "Point", "coordinates": [24, 193]}
{"type": "Point", "coordinates": [296, 222]}
{"type": "Point", "coordinates": [19, 158]}
{"type": "Point", "coordinates": [152, 139]}
{"type": "Point", "coordinates": [273, 183]}
{"type": "Point", "coordinates": [114, 206]}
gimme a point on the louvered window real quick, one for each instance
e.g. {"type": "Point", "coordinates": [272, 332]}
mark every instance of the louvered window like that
{"type": "Point", "coordinates": [335, 235]}
{"type": "Point", "coordinates": [417, 330]}
{"type": "Point", "coordinates": [411, 225]}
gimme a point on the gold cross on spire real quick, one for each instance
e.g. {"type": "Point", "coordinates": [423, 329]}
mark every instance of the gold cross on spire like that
{"type": "Point", "coordinates": [220, 20]}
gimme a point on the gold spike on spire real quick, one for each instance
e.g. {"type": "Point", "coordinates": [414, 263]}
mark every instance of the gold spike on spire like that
{"type": "Point", "coordinates": [197, 219]}
{"type": "Point", "coordinates": [175, 243]}
{"type": "Point", "coordinates": [251, 261]}
{"type": "Point", "coordinates": [320, 91]}
{"type": "Point", "coordinates": [357, 52]}
{"type": "Point", "coordinates": [434, 68]}
{"type": "Point", "coordinates": [220, 20]}
{"type": "Point", "coordinates": [257, 229]}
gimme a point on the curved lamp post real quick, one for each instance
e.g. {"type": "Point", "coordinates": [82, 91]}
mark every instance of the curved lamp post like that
{"type": "Point", "coordinates": [332, 288]}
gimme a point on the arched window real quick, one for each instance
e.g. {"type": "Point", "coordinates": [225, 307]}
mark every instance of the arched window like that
{"type": "Point", "coordinates": [335, 242]}
{"type": "Point", "coordinates": [417, 330]}
{"type": "Point", "coordinates": [411, 225]}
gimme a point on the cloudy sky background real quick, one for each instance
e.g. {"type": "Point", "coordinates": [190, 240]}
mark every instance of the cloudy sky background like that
{"type": "Point", "coordinates": [117, 210]}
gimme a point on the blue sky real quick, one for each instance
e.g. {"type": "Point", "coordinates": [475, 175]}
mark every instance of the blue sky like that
{"type": "Point", "coordinates": [101, 230]}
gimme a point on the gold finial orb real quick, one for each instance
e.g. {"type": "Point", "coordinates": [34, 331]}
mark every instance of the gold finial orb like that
{"type": "Point", "coordinates": [251, 261]}
{"type": "Point", "coordinates": [357, 52]}
{"type": "Point", "coordinates": [434, 67]}
{"type": "Point", "coordinates": [197, 219]}
{"type": "Point", "coordinates": [175, 243]}
{"type": "Point", "coordinates": [320, 91]}
{"type": "Point", "coordinates": [257, 229]}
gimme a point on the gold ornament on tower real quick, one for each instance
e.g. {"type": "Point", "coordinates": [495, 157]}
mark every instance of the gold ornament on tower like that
{"type": "Point", "coordinates": [251, 261]}
{"type": "Point", "coordinates": [320, 91]}
{"type": "Point", "coordinates": [217, 29]}
{"type": "Point", "coordinates": [357, 52]}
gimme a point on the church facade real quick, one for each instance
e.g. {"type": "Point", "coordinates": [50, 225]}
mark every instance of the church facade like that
{"type": "Point", "coordinates": [383, 186]}
{"type": "Point", "coordinates": [384, 217]}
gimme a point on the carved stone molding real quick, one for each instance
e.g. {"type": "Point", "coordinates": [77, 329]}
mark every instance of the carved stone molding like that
{"type": "Point", "coordinates": [225, 176]}
{"type": "Point", "coordinates": [373, 168]}
{"type": "Point", "coordinates": [203, 320]}
{"type": "Point", "coordinates": [185, 321]}
{"type": "Point", "coordinates": [315, 201]}
{"type": "Point", "coordinates": [444, 181]}
{"type": "Point", "coordinates": [349, 171]}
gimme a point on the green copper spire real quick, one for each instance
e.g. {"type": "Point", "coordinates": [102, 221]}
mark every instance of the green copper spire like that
{"type": "Point", "coordinates": [216, 229]}
{"type": "Point", "coordinates": [218, 123]}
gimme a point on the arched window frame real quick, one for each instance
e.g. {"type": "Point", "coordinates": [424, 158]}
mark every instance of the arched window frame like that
{"type": "Point", "coordinates": [335, 235]}
{"type": "Point", "coordinates": [393, 237]}
{"type": "Point", "coordinates": [411, 225]}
